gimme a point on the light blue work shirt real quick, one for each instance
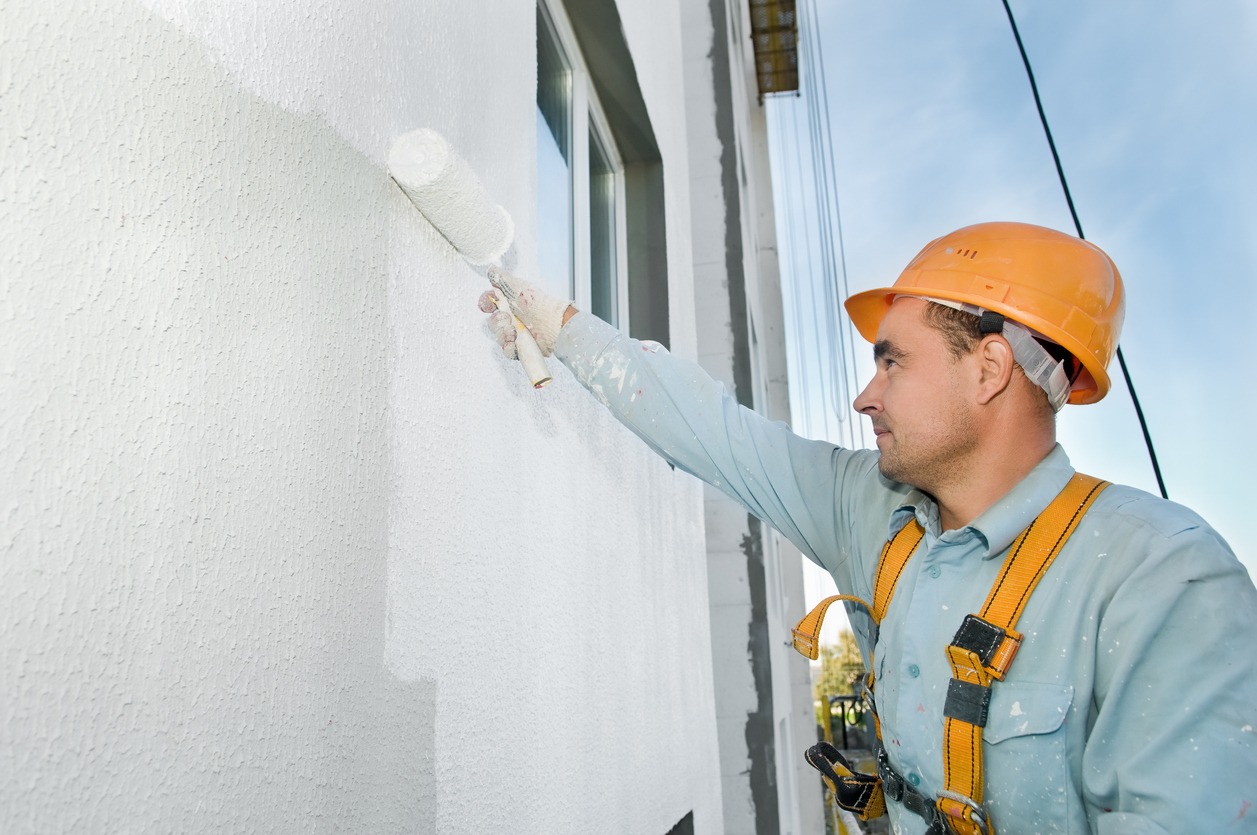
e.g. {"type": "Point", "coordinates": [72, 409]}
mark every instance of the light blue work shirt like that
{"type": "Point", "coordinates": [1133, 700]}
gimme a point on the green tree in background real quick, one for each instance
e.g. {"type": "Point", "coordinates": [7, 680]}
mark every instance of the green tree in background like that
{"type": "Point", "coordinates": [841, 667]}
{"type": "Point", "coordinates": [840, 672]}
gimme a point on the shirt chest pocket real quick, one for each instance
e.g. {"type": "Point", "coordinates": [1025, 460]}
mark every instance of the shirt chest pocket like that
{"type": "Point", "coordinates": [1024, 709]}
{"type": "Point", "coordinates": [1029, 786]}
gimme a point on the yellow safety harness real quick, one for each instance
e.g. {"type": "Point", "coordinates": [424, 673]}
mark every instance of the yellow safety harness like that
{"type": "Point", "coordinates": [980, 653]}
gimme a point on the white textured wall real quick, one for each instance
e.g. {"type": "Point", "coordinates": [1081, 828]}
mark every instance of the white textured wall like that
{"type": "Point", "coordinates": [284, 545]}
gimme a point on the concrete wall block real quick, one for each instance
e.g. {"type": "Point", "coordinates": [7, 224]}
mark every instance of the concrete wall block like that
{"type": "Point", "coordinates": [727, 521]}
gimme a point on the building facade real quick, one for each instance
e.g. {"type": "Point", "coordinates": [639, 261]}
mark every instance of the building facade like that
{"type": "Point", "coordinates": [285, 544]}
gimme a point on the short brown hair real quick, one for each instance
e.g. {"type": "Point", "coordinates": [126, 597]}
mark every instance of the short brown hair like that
{"type": "Point", "coordinates": [959, 328]}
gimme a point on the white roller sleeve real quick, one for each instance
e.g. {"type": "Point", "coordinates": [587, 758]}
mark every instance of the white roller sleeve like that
{"type": "Point", "coordinates": [443, 187]}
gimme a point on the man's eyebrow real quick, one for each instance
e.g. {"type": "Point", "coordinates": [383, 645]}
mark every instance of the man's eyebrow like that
{"type": "Point", "coordinates": [884, 348]}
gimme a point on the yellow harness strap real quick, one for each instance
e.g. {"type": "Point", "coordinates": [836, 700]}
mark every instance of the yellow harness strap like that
{"type": "Point", "coordinates": [857, 792]}
{"type": "Point", "coordinates": [986, 644]}
{"type": "Point", "coordinates": [890, 565]}
{"type": "Point", "coordinates": [807, 632]}
{"type": "Point", "coordinates": [982, 650]}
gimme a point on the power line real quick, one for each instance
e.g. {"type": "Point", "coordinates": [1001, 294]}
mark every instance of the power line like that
{"type": "Point", "coordinates": [796, 312]}
{"type": "Point", "coordinates": [817, 256]}
{"type": "Point", "coordinates": [848, 353]}
{"type": "Point", "coordinates": [829, 222]}
{"type": "Point", "coordinates": [836, 387]}
{"type": "Point", "coordinates": [818, 352]}
{"type": "Point", "coordinates": [1060, 172]}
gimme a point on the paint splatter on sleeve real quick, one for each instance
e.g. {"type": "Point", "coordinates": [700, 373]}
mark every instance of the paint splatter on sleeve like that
{"type": "Point", "coordinates": [691, 419]}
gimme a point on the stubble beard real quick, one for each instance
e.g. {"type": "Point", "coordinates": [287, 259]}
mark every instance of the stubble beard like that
{"type": "Point", "coordinates": [933, 460]}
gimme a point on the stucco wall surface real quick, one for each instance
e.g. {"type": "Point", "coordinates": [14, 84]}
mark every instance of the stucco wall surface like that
{"type": "Point", "coordinates": [284, 544]}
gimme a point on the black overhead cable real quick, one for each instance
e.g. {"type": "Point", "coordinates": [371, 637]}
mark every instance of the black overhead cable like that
{"type": "Point", "coordinates": [1121, 360]}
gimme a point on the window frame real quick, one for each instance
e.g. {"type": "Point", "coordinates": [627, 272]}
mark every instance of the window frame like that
{"type": "Point", "coordinates": [588, 121]}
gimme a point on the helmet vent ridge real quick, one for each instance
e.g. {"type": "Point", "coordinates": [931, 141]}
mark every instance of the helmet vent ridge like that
{"type": "Point", "coordinates": [963, 253]}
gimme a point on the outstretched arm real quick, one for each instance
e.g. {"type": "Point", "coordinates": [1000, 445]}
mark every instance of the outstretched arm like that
{"type": "Point", "coordinates": [804, 488]}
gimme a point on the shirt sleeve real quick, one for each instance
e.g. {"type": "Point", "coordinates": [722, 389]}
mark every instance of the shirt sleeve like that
{"type": "Point", "coordinates": [1172, 748]}
{"type": "Point", "coordinates": [812, 491]}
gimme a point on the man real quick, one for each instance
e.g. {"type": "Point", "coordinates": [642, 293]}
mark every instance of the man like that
{"type": "Point", "coordinates": [1133, 700]}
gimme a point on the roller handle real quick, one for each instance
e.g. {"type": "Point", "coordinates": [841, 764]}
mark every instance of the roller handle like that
{"type": "Point", "coordinates": [526, 347]}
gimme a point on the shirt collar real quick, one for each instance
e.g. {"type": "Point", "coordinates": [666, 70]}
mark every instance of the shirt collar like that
{"type": "Point", "coordinates": [1008, 517]}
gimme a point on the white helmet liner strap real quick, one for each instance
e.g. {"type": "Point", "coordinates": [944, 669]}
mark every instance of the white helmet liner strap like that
{"type": "Point", "coordinates": [1042, 368]}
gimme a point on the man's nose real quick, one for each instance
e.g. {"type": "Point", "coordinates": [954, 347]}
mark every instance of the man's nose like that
{"type": "Point", "coordinates": [867, 401]}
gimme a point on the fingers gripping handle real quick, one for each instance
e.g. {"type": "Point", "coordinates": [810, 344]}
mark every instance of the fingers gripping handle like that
{"type": "Point", "coordinates": [530, 356]}
{"type": "Point", "coordinates": [525, 347]}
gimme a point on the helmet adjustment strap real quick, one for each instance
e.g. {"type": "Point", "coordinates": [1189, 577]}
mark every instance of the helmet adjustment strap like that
{"type": "Point", "coordinates": [990, 322]}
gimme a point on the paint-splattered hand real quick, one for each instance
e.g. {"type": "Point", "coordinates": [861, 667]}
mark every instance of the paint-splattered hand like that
{"type": "Point", "coordinates": [540, 312]}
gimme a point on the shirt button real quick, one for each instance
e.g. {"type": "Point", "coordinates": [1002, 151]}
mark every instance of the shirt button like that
{"type": "Point", "coordinates": [935, 571]}
{"type": "Point", "coordinates": [914, 779]}
{"type": "Point", "coordinates": [914, 670]}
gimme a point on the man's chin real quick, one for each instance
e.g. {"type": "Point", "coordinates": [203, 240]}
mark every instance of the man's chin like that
{"type": "Point", "coordinates": [893, 469]}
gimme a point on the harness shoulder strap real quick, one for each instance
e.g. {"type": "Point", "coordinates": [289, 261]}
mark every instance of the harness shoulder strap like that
{"type": "Point", "coordinates": [890, 564]}
{"type": "Point", "coordinates": [985, 645]}
{"type": "Point", "coordinates": [1033, 552]}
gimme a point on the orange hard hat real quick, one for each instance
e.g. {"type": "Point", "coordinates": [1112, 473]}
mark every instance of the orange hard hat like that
{"type": "Point", "coordinates": [1065, 288]}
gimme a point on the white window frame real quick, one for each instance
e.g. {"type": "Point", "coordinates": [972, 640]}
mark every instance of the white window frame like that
{"type": "Point", "coordinates": [588, 116]}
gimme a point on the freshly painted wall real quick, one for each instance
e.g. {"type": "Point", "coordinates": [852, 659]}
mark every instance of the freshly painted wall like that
{"type": "Point", "coordinates": [284, 544]}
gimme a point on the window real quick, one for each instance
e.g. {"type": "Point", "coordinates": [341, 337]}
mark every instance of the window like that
{"type": "Point", "coordinates": [554, 162]}
{"type": "Point", "coordinates": [581, 218]}
{"type": "Point", "coordinates": [601, 209]}
{"type": "Point", "coordinates": [608, 292]}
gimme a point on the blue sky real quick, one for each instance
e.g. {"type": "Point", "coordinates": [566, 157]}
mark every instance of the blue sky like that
{"type": "Point", "coordinates": [1153, 108]}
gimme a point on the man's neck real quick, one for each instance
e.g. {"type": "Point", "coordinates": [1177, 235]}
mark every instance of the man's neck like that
{"type": "Point", "coordinates": [984, 480]}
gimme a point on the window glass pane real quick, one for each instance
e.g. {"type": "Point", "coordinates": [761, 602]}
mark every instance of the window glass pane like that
{"type": "Point", "coordinates": [602, 227]}
{"type": "Point", "coordinates": [554, 164]}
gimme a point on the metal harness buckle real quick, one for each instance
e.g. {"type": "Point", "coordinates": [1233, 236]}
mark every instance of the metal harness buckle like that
{"type": "Point", "coordinates": [893, 785]}
{"type": "Point", "coordinates": [896, 788]}
{"type": "Point", "coordinates": [979, 814]}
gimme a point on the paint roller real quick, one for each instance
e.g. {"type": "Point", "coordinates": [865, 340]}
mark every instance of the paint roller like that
{"type": "Point", "coordinates": [447, 192]}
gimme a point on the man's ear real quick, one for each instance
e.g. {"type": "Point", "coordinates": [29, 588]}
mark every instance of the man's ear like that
{"type": "Point", "coordinates": [995, 367]}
